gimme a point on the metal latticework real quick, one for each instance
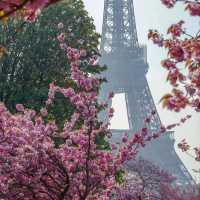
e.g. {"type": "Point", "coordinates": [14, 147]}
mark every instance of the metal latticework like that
{"type": "Point", "coordinates": [119, 26]}
{"type": "Point", "coordinates": [127, 68]}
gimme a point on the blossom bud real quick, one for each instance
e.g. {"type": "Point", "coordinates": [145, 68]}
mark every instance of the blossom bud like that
{"type": "Point", "coordinates": [61, 37]}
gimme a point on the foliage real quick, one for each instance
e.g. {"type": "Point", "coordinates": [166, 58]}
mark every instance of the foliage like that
{"type": "Point", "coordinates": [34, 58]}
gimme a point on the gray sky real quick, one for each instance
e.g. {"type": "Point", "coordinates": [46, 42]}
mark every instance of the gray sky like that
{"type": "Point", "coordinates": [153, 15]}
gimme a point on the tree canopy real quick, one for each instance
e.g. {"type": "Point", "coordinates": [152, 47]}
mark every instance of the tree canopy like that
{"type": "Point", "coordinates": [34, 58]}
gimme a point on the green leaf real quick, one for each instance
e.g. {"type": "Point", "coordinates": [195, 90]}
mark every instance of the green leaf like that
{"type": "Point", "coordinates": [120, 176]}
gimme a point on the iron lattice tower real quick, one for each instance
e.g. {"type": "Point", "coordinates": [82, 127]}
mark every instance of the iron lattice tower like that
{"type": "Point", "coordinates": [127, 69]}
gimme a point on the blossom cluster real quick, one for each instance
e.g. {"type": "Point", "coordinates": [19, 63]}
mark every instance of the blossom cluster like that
{"type": "Point", "coordinates": [182, 65]}
{"type": "Point", "coordinates": [192, 6]}
{"type": "Point", "coordinates": [29, 9]}
{"type": "Point", "coordinates": [169, 3]}
{"type": "Point", "coordinates": [185, 147]}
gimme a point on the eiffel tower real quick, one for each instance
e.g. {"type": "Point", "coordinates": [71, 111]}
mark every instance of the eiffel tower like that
{"type": "Point", "coordinates": [127, 68]}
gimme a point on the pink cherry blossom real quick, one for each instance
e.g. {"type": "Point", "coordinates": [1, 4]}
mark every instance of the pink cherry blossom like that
{"type": "Point", "coordinates": [193, 8]}
{"type": "Point", "coordinates": [183, 145]}
{"type": "Point", "coordinates": [28, 9]}
{"type": "Point", "coordinates": [176, 29]}
{"type": "Point", "coordinates": [61, 37]}
{"type": "Point", "coordinates": [20, 107]}
{"type": "Point", "coordinates": [169, 3]}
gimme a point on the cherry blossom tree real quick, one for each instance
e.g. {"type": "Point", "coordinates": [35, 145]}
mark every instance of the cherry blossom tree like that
{"type": "Point", "coordinates": [191, 192]}
{"type": "Point", "coordinates": [144, 180]}
{"type": "Point", "coordinates": [40, 161]}
{"type": "Point", "coordinates": [182, 65]}
{"type": "Point", "coordinates": [34, 58]}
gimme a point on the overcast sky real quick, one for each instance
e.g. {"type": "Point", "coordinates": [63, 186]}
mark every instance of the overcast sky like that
{"type": "Point", "coordinates": [153, 15]}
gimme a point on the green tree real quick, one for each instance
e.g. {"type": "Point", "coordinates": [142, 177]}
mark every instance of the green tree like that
{"type": "Point", "coordinates": [34, 58]}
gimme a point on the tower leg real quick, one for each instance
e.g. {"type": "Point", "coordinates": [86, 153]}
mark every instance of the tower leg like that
{"type": "Point", "coordinates": [103, 97]}
{"type": "Point", "coordinates": [133, 110]}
